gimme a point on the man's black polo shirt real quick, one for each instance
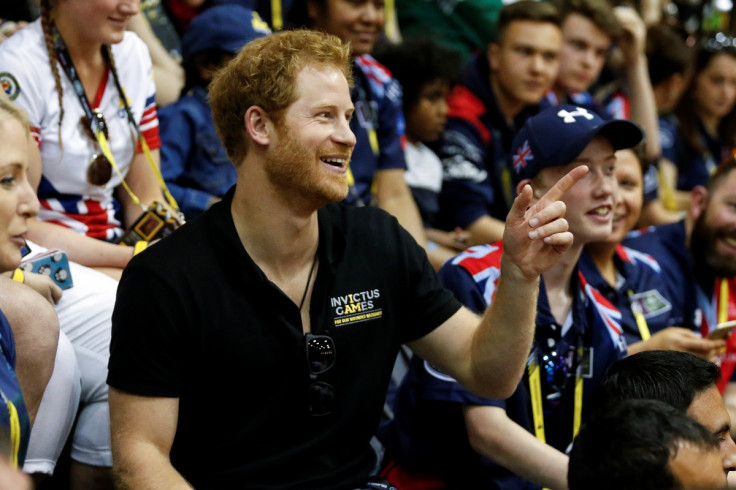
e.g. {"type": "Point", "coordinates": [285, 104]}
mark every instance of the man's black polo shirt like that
{"type": "Point", "coordinates": [196, 319]}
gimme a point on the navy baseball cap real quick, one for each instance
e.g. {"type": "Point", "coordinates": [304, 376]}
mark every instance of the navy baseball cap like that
{"type": "Point", "coordinates": [225, 27]}
{"type": "Point", "coordinates": [559, 134]}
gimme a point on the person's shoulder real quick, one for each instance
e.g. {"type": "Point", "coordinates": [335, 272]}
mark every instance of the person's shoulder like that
{"type": "Point", "coordinates": [131, 52]}
{"type": "Point", "coordinates": [30, 35]}
{"type": "Point", "coordinates": [477, 263]}
{"type": "Point", "coordinates": [24, 63]}
{"type": "Point", "coordinates": [653, 235]}
{"type": "Point", "coordinates": [466, 110]}
{"type": "Point", "coordinates": [379, 78]}
{"type": "Point", "coordinates": [22, 48]}
{"type": "Point", "coordinates": [642, 261]}
{"type": "Point", "coordinates": [372, 68]}
{"type": "Point", "coordinates": [131, 40]}
{"type": "Point", "coordinates": [188, 104]}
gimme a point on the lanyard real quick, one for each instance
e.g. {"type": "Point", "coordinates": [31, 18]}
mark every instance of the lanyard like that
{"type": "Point", "coordinates": [508, 187]}
{"type": "Point", "coordinates": [15, 431]}
{"type": "Point", "coordinates": [535, 390]}
{"type": "Point", "coordinates": [723, 302]}
{"type": "Point", "coordinates": [67, 64]}
{"type": "Point", "coordinates": [641, 322]}
{"type": "Point", "coordinates": [277, 20]}
{"type": "Point", "coordinates": [668, 198]}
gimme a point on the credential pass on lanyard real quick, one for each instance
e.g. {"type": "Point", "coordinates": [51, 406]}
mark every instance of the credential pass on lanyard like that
{"type": "Point", "coordinates": [535, 389]}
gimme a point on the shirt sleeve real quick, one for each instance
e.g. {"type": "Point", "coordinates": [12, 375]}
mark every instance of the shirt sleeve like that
{"type": "Point", "coordinates": [432, 383]}
{"type": "Point", "coordinates": [148, 122]}
{"type": "Point", "coordinates": [426, 304]}
{"type": "Point", "coordinates": [20, 81]}
{"type": "Point", "coordinates": [148, 343]}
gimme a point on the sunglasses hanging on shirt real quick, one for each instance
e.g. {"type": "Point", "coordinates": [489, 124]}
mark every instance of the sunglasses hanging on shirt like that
{"type": "Point", "coordinates": [99, 171]}
{"type": "Point", "coordinates": [320, 358]}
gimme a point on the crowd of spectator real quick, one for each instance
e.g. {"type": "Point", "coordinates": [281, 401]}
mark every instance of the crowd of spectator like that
{"type": "Point", "coordinates": [121, 116]}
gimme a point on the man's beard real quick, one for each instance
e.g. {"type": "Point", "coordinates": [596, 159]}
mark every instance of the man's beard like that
{"type": "Point", "coordinates": [704, 251]}
{"type": "Point", "coordinates": [295, 171]}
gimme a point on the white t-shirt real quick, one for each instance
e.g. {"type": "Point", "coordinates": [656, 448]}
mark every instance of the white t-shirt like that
{"type": "Point", "coordinates": [423, 167]}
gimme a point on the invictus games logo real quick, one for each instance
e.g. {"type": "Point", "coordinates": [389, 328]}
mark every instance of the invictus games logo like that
{"type": "Point", "coordinates": [356, 307]}
{"type": "Point", "coordinates": [9, 85]}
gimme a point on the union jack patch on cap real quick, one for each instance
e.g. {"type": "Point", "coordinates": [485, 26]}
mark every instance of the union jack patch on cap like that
{"type": "Point", "coordinates": [523, 155]}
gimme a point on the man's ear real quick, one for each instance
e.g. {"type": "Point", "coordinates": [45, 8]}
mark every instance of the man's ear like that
{"type": "Point", "coordinates": [521, 185]}
{"type": "Point", "coordinates": [493, 54]}
{"type": "Point", "coordinates": [698, 202]}
{"type": "Point", "coordinates": [258, 125]}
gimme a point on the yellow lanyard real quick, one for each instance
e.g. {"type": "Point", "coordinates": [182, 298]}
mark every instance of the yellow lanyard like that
{"type": "Point", "coordinates": [723, 302]}
{"type": "Point", "coordinates": [391, 26]}
{"type": "Point", "coordinates": [668, 197]}
{"type": "Point", "coordinates": [277, 20]}
{"type": "Point", "coordinates": [102, 141]}
{"type": "Point", "coordinates": [14, 421]}
{"type": "Point", "coordinates": [508, 187]}
{"type": "Point", "coordinates": [535, 390]}
{"type": "Point", "coordinates": [641, 322]}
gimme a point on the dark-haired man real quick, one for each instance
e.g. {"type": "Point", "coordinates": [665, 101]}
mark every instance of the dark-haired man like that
{"type": "Point", "coordinates": [698, 258]}
{"type": "Point", "coordinates": [588, 30]}
{"type": "Point", "coordinates": [679, 379]}
{"type": "Point", "coordinates": [644, 445]}
{"type": "Point", "coordinates": [501, 89]}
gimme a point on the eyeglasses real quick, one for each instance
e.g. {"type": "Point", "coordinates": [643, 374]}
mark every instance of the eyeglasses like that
{"type": "Point", "coordinates": [320, 358]}
{"type": "Point", "coordinates": [99, 171]}
{"type": "Point", "coordinates": [720, 42]}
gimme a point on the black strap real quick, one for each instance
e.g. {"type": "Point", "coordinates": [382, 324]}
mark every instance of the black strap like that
{"type": "Point", "coordinates": [65, 59]}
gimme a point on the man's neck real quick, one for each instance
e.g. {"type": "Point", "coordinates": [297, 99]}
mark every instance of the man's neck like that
{"type": "Point", "coordinates": [603, 254]}
{"type": "Point", "coordinates": [509, 107]}
{"type": "Point", "coordinates": [275, 235]}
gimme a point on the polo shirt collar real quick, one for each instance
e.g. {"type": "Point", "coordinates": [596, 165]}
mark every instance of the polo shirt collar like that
{"type": "Point", "coordinates": [222, 228]}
